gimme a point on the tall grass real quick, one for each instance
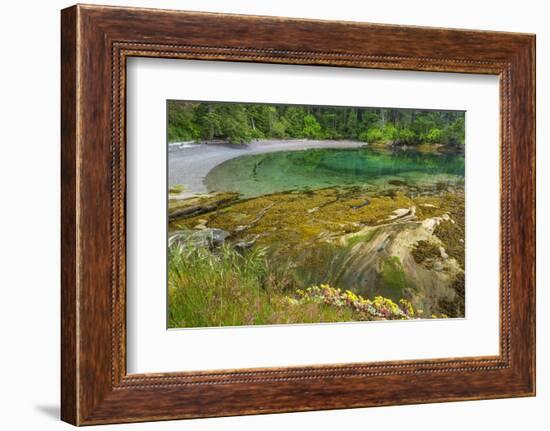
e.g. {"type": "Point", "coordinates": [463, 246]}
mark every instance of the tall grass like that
{"type": "Point", "coordinates": [230, 288]}
{"type": "Point", "coordinates": [216, 288]}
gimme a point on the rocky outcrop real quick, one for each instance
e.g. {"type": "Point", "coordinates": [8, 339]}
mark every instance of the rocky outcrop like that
{"type": "Point", "coordinates": [385, 265]}
{"type": "Point", "coordinates": [394, 244]}
{"type": "Point", "coordinates": [190, 207]}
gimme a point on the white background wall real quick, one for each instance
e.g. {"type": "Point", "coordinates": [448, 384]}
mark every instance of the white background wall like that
{"type": "Point", "coordinates": [29, 213]}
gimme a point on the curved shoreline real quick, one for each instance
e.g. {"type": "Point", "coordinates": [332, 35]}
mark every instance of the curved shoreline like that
{"type": "Point", "coordinates": [189, 166]}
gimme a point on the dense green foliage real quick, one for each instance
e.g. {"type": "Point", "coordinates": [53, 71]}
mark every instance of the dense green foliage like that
{"type": "Point", "coordinates": [240, 123]}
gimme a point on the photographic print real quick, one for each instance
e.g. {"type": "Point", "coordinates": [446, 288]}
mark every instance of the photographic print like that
{"type": "Point", "coordinates": [288, 214]}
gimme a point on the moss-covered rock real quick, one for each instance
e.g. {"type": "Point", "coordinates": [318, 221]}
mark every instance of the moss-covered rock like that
{"type": "Point", "coordinates": [197, 205]}
{"type": "Point", "coordinates": [400, 243]}
{"type": "Point", "coordinates": [393, 276]}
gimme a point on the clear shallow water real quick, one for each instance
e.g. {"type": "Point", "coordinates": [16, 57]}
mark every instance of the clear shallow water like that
{"type": "Point", "coordinates": [255, 175]}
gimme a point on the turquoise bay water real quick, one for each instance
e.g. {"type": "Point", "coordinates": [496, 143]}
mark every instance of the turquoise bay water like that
{"type": "Point", "coordinates": [259, 174]}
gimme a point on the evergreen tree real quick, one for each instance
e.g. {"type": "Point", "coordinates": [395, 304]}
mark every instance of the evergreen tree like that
{"type": "Point", "coordinates": [240, 123]}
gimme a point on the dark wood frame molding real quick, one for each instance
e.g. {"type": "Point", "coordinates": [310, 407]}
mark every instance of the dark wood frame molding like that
{"type": "Point", "coordinates": [95, 43]}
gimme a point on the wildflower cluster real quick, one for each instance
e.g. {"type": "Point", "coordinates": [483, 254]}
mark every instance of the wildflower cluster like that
{"type": "Point", "coordinates": [376, 309]}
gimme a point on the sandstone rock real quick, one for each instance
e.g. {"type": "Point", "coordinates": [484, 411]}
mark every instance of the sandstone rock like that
{"type": "Point", "coordinates": [403, 213]}
{"type": "Point", "coordinates": [400, 212]}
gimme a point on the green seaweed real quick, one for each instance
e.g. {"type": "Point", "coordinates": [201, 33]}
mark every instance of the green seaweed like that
{"type": "Point", "coordinates": [454, 307]}
{"type": "Point", "coordinates": [301, 217]}
{"type": "Point", "coordinates": [393, 276]}
{"type": "Point", "coordinates": [424, 252]}
{"type": "Point", "coordinates": [452, 236]}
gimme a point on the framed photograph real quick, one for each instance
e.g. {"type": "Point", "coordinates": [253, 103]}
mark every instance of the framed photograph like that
{"type": "Point", "coordinates": [264, 215]}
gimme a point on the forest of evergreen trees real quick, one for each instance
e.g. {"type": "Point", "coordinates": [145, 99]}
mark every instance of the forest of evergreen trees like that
{"type": "Point", "coordinates": [240, 123]}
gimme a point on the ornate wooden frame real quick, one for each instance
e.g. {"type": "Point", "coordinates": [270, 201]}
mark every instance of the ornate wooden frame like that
{"type": "Point", "coordinates": [95, 42]}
